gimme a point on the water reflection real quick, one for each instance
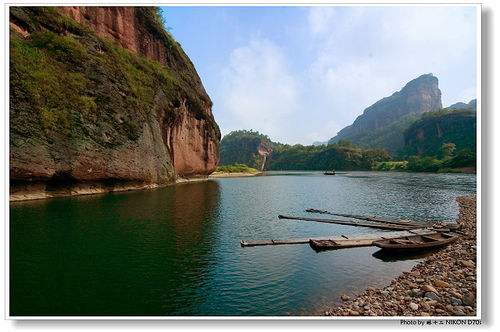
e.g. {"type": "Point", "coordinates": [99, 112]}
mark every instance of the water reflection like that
{"type": "Point", "coordinates": [394, 256]}
{"type": "Point", "coordinates": [115, 254]}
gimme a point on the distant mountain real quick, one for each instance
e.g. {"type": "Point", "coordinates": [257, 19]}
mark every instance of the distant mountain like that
{"type": "Point", "coordinates": [463, 106]}
{"type": "Point", "coordinates": [427, 135]}
{"type": "Point", "coordinates": [382, 124]}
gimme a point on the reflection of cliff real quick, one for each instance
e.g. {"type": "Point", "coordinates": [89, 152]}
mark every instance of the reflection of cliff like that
{"type": "Point", "coordinates": [137, 253]}
{"type": "Point", "coordinates": [185, 212]}
{"type": "Point", "coordinates": [193, 208]}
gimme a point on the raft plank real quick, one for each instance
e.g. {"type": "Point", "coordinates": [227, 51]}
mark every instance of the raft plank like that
{"type": "Point", "coordinates": [361, 240]}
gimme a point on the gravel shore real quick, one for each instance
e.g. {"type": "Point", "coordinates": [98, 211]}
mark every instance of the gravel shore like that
{"type": "Point", "coordinates": [444, 284]}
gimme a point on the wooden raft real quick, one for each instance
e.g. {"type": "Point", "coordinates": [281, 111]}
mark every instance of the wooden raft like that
{"type": "Point", "coordinates": [344, 241]}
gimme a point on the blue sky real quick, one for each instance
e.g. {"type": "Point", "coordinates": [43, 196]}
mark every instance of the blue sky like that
{"type": "Point", "coordinates": [300, 74]}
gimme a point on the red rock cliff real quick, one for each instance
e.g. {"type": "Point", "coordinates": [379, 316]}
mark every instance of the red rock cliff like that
{"type": "Point", "coordinates": [93, 113]}
{"type": "Point", "coordinates": [193, 145]}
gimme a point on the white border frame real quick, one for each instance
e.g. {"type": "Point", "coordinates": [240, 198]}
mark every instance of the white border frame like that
{"type": "Point", "coordinates": [259, 3]}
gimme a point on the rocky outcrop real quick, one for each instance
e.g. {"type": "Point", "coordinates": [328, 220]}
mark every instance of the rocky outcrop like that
{"type": "Point", "coordinates": [246, 147]}
{"type": "Point", "coordinates": [103, 95]}
{"type": "Point", "coordinates": [382, 124]}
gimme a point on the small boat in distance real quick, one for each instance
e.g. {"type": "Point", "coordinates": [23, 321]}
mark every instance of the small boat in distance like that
{"type": "Point", "coordinates": [416, 242]}
{"type": "Point", "coordinates": [332, 172]}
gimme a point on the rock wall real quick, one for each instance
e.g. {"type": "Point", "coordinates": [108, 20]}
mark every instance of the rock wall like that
{"type": "Point", "coordinates": [125, 119]}
{"type": "Point", "coordinates": [193, 143]}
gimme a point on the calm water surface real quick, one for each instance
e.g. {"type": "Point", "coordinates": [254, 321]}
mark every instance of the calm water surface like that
{"type": "Point", "coordinates": [175, 250]}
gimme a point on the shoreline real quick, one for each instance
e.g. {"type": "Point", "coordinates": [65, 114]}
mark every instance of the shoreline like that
{"type": "Point", "coordinates": [216, 175]}
{"type": "Point", "coordinates": [37, 191]}
{"type": "Point", "coordinates": [444, 284]}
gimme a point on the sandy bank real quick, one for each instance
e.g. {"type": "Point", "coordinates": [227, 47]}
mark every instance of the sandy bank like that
{"type": "Point", "coordinates": [232, 175]}
{"type": "Point", "coordinates": [444, 284]}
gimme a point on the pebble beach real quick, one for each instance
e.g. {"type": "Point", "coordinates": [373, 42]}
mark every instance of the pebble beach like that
{"type": "Point", "coordinates": [444, 284]}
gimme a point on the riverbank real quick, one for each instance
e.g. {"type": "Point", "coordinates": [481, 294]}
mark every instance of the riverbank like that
{"type": "Point", "coordinates": [42, 190]}
{"type": "Point", "coordinates": [232, 174]}
{"type": "Point", "coordinates": [37, 191]}
{"type": "Point", "coordinates": [444, 284]}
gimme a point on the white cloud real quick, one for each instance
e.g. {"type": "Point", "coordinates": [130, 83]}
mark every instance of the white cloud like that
{"type": "Point", "coordinates": [367, 53]}
{"type": "Point", "coordinates": [342, 60]}
{"type": "Point", "coordinates": [258, 90]}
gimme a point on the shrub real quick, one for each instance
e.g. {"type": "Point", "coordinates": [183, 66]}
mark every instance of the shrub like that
{"type": "Point", "coordinates": [236, 168]}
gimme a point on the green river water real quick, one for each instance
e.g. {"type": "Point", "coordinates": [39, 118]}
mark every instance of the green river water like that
{"type": "Point", "coordinates": [176, 251]}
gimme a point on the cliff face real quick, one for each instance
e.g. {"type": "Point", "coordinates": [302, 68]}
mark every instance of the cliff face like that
{"type": "Point", "coordinates": [382, 124]}
{"type": "Point", "coordinates": [104, 94]}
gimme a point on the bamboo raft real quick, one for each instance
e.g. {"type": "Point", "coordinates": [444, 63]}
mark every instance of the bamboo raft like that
{"type": "Point", "coordinates": [361, 217]}
{"type": "Point", "coordinates": [404, 222]}
{"type": "Point", "coordinates": [379, 225]}
{"type": "Point", "coordinates": [400, 228]}
{"type": "Point", "coordinates": [344, 241]}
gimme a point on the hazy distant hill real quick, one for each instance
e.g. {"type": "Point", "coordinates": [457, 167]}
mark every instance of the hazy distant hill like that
{"type": "Point", "coordinates": [461, 105]}
{"type": "Point", "coordinates": [382, 124]}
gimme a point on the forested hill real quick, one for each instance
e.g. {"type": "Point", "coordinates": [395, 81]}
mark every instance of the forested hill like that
{"type": "Point", "coordinates": [427, 135]}
{"type": "Point", "coordinates": [245, 147]}
{"type": "Point", "coordinates": [257, 150]}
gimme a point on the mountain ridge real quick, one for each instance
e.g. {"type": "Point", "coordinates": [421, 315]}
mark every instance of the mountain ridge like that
{"type": "Point", "coordinates": [418, 96]}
